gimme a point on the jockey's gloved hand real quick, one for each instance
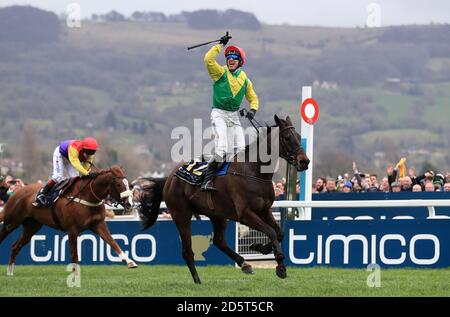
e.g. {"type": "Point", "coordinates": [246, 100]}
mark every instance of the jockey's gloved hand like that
{"type": "Point", "coordinates": [224, 39]}
{"type": "Point", "coordinates": [251, 114]}
{"type": "Point", "coordinates": [91, 175]}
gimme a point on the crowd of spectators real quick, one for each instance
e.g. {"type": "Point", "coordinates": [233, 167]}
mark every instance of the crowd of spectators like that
{"type": "Point", "coordinates": [395, 180]}
{"type": "Point", "coordinates": [8, 185]}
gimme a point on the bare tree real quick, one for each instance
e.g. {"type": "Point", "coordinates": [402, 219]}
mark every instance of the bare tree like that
{"type": "Point", "coordinates": [30, 154]}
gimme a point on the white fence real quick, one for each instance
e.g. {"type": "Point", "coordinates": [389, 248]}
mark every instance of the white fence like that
{"type": "Point", "coordinates": [246, 236]}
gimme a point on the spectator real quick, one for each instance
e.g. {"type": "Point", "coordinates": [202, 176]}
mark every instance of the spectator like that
{"type": "Point", "coordinates": [406, 184]}
{"type": "Point", "coordinates": [447, 187]}
{"type": "Point", "coordinates": [347, 187]}
{"type": "Point", "coordinates": [374, 180]}
{"type": "Point", "coordinates": [417, 188]}
{"type": "Point", "coordinates": [357, 188]}
{"type": "Point", "coordinates": [412, 174]}
{"type": "Point", "coordinates": [330, 186]}
{"type": "Point", "coordinates": [429, 186]}
{"type": "Point", "coordinates": [396, 187]}
{"type": "Point", "coordinates": [14, 185]}
{"type": "Point", "coordinates": [340, 185]}
{"type": "Point", "coordinates": [357, 180]}
{"type": "Point", "coordinates": [3, 191]}
{"type": "Point", "coordinates": [320, 185]}
{"type": "Point", "coordinates": [384, 185]}
{"type": "Point", "coordinates": [438, 182]}
{"type": "Point", "coordinates": [276, 190]}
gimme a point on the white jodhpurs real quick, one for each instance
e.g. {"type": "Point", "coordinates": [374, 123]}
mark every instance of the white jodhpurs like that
{"type": "Point", "coordinates": [61, 164]}
{"type": "Point", "coordinates": [228, 133]}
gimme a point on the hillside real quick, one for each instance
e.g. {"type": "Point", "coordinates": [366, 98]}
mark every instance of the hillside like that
{"type": "Point", "coordinates": [131, 83]}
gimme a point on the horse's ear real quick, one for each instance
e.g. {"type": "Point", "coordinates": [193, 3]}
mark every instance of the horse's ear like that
{"type": "Point", "coordinates": [277, 120]}
{"type": "Point", "coordinates": [288, 119]}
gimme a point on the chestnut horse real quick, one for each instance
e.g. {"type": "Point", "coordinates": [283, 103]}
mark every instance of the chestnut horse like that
{"type": "Point", "coordinates": [245, 194]}
{"type": "Point", "coordinates": [81, 208]}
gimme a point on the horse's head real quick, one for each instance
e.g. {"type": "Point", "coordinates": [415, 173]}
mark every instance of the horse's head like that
{"type": "Point", "coordinates": [290, 148]}
{"type": "Point", "coordinates": [119, 187]}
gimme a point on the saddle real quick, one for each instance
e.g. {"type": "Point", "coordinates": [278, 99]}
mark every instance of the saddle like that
{"type": "Point", "coordinates": [58, 190]}
{"type": "Point", "coordinates": [194, 171]}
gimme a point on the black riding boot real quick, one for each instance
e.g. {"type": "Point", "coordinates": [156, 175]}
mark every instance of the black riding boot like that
{"type": "Point", "coordinates": [207, 184]}
{"type": "Point", "coordinates": [41, 197]}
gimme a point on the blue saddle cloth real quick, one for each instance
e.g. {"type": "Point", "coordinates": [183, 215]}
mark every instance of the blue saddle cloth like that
{"type": "Point", "coordinates": [194, 172]}
{"type": "Point", "coordinates": [58, 190]}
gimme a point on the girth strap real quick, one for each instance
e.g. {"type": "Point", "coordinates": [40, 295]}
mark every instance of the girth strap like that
{"type": "Point", "coordinates": [85, 202]}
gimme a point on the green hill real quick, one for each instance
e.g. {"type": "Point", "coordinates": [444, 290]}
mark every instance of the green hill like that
{"type": "Point", "coordinates": [131, 83]}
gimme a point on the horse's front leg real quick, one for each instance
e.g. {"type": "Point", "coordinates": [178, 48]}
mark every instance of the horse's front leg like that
{"type": "Point", "coordinates": [102, 230]}
{"type": "Point", "coordinates": [73, 248]}
{"type": "Point", "coordinates": [252, 220]}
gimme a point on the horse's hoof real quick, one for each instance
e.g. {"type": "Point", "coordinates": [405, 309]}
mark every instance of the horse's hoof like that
{"type": "Point", "coordinates": [281, 271]}
{"type": "Point", "coordinates": [10, 270]}
{"type": "Point", "coordinates": [132, 265]}
{"type": "Point", "coordinates": [256, 246]}
{"type": "Point", "coordinates": [247, 268]}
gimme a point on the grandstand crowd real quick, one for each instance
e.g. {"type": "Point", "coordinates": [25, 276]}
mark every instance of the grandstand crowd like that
{"type": "Point", "coordinates": [395, 180]}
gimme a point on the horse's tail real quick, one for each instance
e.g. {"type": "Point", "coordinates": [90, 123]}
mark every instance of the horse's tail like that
{"type": "Point", "coordinates": [150, 202]}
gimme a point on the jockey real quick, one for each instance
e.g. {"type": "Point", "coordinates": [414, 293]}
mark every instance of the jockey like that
{"type": "Point", "coordinates": [230, 86]}
{"type": "Point", "coordinates": [74, 156]}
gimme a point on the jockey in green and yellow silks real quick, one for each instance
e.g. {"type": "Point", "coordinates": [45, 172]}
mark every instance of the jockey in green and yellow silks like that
{"type": "Point", "coordinates": [230, 86]}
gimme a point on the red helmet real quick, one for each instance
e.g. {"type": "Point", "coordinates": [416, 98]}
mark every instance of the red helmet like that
{"type": "Point", "coordinates": [236, 50]}
{"type": "Point", "coordinates": [90, 143]}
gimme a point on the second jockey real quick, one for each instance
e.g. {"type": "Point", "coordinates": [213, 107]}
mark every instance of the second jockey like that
{"type": "Point", "coordinates": [73, 156]}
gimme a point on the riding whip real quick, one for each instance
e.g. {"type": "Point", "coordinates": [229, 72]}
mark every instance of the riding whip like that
{"type": "Point", "coordinates": [206, 43]}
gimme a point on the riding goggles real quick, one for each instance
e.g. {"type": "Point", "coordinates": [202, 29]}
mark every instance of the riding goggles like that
{"type": "Point", "coordinates": [233, 56]}
{"type": "Point", "coordinates": [89, 152]}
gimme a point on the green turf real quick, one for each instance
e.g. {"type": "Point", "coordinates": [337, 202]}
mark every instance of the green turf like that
{"type": "Point", "coordinates": [221, 281]}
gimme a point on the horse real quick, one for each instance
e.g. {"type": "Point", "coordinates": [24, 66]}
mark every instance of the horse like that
{"type": "Point", "coordinates": [244, 194]}
{"type": "Point", "coordinates": [79, 209]}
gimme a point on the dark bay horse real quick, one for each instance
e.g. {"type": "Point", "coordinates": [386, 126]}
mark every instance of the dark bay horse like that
{"type": "Point", "coordinates": [85, 211]}
{"type": "Point", "coordinates": [244, 195]}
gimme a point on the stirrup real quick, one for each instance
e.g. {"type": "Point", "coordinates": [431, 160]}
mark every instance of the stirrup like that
{"type": "Point", "coordinates": [208, 186]}
{"type": "Point", "coordinates": [41, 201]}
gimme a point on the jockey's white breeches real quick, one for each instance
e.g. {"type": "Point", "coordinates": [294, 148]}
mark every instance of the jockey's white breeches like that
{"type": "Point", "coordinates": [228, 133]}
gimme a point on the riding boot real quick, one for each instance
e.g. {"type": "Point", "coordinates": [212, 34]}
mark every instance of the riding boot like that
{"type": "Point", "coordinates": [41, 197]}
{"type": "Point", "coordinates": [207, 184]}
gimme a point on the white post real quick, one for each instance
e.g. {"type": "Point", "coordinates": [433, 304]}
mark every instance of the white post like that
{"type": "Point", "coordinates": [307, 133]}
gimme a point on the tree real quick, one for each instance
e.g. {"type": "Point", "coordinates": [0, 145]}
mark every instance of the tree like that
{"type": "Point", "coordinates": [30, 152]}
{"type": "Point", "coordinates": [28, 25]}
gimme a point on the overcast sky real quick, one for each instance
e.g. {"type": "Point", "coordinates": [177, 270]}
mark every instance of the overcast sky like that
{"type": "Point", "coordinates": [345, 13]}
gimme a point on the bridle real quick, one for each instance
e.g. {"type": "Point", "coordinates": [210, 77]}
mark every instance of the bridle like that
{"type": "Point", "coordinates": [289, 157]}
{"type": "Point", "coordinates": [126, 193]}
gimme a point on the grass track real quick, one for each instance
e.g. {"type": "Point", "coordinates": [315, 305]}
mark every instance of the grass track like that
{"type": "Point", "coordinates": [221, 281]}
